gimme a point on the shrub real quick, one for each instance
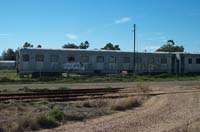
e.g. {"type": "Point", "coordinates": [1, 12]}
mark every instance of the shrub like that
{"type": "Point", "coordinates": [46, 122]}
{"type": "Point", "coordinates": [57, 114]}
{"type": "Point", "coordinates": [127, 103]}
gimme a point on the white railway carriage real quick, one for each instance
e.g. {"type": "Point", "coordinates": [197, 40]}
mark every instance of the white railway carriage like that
{"type": "Point", "coordinates": [56, 61]}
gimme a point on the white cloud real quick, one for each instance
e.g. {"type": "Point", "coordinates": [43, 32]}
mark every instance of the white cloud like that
{"type": "Point", "coordinates": [71, 36]}
{"type": "Point", "coordinates": [123, 20]}
{"type": "Point", "coordinates": [3, 34]}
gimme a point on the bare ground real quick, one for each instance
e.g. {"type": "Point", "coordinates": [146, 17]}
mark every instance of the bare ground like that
{"type": "Point", "coordinates": [102, 85]}
{"type": "Point", "coordinates": [176, 111]}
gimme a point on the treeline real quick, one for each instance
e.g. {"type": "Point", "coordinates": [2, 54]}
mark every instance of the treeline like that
{"type": "Point", "coordinates": [10, 54]}
{"type": "Point", "coordinates": [170, 46]}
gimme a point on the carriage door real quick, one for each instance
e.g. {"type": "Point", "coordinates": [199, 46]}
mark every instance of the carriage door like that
{"type": "Point", "coordinates": [39, 58]}
{"type": "Point", "coordinates": [25, 62]}
{"type": "Point", "coordinates": [173, 64]}
{"type": "Point", "coordinates": [182, 63]}
{"type": "Point", "coordinates": [178, 63]}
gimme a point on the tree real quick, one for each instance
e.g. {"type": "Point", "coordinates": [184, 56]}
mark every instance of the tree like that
{"type": "Point", "coordinates": [110, 46]}
{"type": "Point", "coordinates": [70, 45]}
{"type": "Point", "coordinates": [84, 45]}
{"type": "Point", "coordinates": [170, 47]}
{"type": "Point", "coordinates": [39, 46]}
{"type": "Point", "coordinates": [26, 44]}
{"type": "Point", "coordinates": [8, 54]}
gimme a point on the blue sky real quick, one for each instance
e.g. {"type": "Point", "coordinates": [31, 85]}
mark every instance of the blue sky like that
{"type": "Point", "coordinates": [52, 23]}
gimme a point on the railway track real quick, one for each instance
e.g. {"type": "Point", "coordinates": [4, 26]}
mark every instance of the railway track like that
{"type": "Point", "coordinates": [60, 95]}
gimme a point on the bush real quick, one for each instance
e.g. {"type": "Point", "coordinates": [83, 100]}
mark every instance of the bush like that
{"type": "Point", "coordinates": [46, 122]}
{"type": "Point", "coordinates": [127, 103]}
{"type": "Point", "coordinates": [57, 114]}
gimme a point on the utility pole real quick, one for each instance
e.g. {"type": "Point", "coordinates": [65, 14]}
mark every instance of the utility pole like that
{"type": "Point", "coordinates": [134, 32]}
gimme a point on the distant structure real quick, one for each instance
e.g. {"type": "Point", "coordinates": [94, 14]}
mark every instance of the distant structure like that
{"type": "Point", "coordinates": [7, 65]}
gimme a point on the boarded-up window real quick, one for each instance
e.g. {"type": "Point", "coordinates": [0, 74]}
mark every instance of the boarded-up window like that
{"type": "Point", "coordinates": [126, 59]}
{"type": "Point", "coordinates": [138, 59]}
{"type": "Point", "coordinates": [190, 61]}
{"type": "Point", "coordinates": [85, 59]}
{"type": "Point", "coordinates": [198, 61]}
{"type": "Point", "coordinates": [26, 58]}
{"type": "Point", "coordinates": [71, 59]}
{"type": "Point", "coordinates": [39, 58]}
{"type": "Point", "coordinates": [151, 60]}
{"type": "Point", "coordinates": [163, 61]}
{"type": "Point", "coordinates": [54, 58]}
{"type": "Point", "coordinates": [112, 59]}
{"type": "Point", "coordinates": [100, 59]}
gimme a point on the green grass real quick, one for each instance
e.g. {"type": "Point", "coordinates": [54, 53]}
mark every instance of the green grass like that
{"type": "Point", "coordinates": [7, 77]}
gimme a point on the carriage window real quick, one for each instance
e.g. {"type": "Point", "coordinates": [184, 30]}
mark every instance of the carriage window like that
{"type": "Point", "coordinates": [138, 60]}
{"type": "Point", "coordinates": [198, 61]}
{"type": "Point", "coordinates": [100, 59]}
{"type": "Point", "coordinates": [71, 59]}
{"type": "Point", "coordinates": [85, 58]}
{"type": "Point", "coordinates": [39, 58]}
{"type": "Point", "coordinates": [126, 59]}
{"type": "Point", "coordinates": [151, 60]}
{"type": "Point", "coordinates": [112, 59]}
{"type": "Point", "coordinates": [163, 61]}
{"type": "Point", "coordinates": [54, 58]}
{"type": "Point", "coordinates": [25, 57]}
{"type": "Point", "coordinates": [190, 61]}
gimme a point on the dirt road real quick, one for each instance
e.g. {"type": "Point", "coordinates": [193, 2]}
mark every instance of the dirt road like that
{"type": "Point", "coordinates": [174, 112]}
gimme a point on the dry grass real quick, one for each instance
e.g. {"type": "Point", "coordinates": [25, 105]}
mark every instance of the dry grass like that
{"type": "Point", "coordinates": [127, 103]}
{"type": "Point", "coordinates": [143, 88]}
{"type": "Point", "coordinates": [95, 103]}
{"type": "Point", "coordinates": [21, 117]}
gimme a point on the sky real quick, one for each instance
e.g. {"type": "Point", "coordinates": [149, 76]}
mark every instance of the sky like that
{"type": "Point", "coordinates": [53, 23]}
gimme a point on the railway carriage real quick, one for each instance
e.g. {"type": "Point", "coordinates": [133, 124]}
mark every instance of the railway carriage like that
{"type": "Point", "coordinates": [7, 65]}
{"type": "Point", "coordinates": [56, 61]}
